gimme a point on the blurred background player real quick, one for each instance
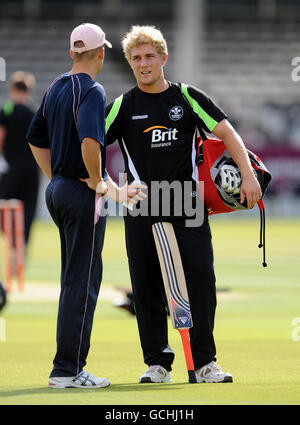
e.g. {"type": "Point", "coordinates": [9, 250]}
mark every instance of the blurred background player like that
{"type": "Point", "coordinates": [2, 296]}
{"type": "Point", "coordinates": [20, 177]}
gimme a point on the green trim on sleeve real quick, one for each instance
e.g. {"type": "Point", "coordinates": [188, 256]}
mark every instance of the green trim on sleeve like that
{"type": "Point", "coordinates": [113, 113]}
{"type": "Point", "coordinates": [209, 121]}
{"type": "Point", "coordinates": [8, 108]}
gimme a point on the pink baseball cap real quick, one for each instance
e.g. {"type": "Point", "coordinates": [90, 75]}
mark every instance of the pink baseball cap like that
{"type": "Point", "coordinates": [91, 35]}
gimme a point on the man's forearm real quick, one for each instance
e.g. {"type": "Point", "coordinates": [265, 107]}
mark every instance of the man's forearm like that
{"type": "Point", "coordinates": [43, 159]}
{"type": "Point", "coordinates": [90, 150]}
{"type": "Point", "coordinates": [235, 146]}
{"type": "Point", "coordinates": [250, 188]}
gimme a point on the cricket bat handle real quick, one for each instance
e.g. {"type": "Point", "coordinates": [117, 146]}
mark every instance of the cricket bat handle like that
{"type": "Point", "coordinates": [184, 333]}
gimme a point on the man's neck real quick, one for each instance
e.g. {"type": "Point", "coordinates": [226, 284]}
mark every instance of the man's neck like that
{"type": "Point", "coordinates": [78, 69]}
{"type": "Point", "coordinates": [158, 87]}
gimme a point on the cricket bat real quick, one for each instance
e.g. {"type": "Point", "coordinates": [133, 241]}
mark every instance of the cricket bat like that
{"type": "Point", "coordinates": [175, 287]}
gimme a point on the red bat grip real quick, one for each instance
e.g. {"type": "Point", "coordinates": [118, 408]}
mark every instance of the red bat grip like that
{"type": "Point", "coordinates": [184, 333]}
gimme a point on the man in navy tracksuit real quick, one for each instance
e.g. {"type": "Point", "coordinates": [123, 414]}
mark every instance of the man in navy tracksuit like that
{"type": "Point", "coordinates": [67, 138]}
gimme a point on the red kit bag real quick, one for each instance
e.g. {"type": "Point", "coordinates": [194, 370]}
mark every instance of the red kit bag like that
{"type": "Point", "coordinates": [218, 171]}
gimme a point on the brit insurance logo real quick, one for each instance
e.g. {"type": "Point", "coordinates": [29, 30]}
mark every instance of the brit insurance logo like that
{"type": "Point", "coordinates": [176, 113]}
{"type": "Point", "coordinates": [161, 136]}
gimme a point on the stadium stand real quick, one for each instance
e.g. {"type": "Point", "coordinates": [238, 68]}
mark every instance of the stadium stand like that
{"type": "Point", "coordinates": [246, 60]}
{"type": "Point", "coordinates": [246, 65]}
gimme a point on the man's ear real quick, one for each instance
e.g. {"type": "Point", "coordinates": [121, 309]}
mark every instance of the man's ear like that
{"type": "Point", "coordinates": [164, 59]}
{"type": "Point", "coordinates": [101, 53]}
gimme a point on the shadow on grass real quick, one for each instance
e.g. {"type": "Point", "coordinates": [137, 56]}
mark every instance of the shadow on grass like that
{"type": "Point", "coordinates": [114, 388]}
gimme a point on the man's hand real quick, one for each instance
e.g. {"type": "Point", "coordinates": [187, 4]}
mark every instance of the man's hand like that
{"type": "Point", "coordinates": [232, 183]}
{"type": "Point", "coordinates": [250, 190]}
{"type": "Point", "coordinates": [132, 193]}
{"type": "Point", "coordinates": [96, 185]}
{"type": "Point", "coordinates": [102, 188]}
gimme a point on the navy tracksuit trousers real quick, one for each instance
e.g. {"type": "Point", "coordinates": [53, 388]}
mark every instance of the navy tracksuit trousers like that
{"type": "Point", "coordinates": [72, 204]}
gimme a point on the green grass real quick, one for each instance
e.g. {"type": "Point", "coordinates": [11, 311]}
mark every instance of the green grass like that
{"type": "Point", "coordinates": [253, 328]}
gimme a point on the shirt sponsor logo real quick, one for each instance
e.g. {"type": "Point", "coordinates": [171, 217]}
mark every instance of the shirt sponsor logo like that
{"type": "Point", "coordinates": [139, 117]}
{"type": "Point", "coordinates": [162, 136]}
{"type": "Point", "coordinates": [176, 113]}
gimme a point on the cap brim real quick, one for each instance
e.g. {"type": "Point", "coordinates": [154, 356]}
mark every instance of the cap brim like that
{"type": "Point", "coordinates": [108, 44]}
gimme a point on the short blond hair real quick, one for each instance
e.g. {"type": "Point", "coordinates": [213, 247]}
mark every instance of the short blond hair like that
{"type": "Point", "coordinates": [86, 56]}
{"type": "Point", "coordinates": [145, 34]}
{"type": "Point", "coordinates": [23, 81]}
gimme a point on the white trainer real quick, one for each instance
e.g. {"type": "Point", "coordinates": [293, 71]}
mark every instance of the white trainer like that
{"type": "Point", "coordinates": [155, 374]}
{"type": "Point", "coordinates": [82, 380]}
{"type": "Point", "coordinates": [212, 373]}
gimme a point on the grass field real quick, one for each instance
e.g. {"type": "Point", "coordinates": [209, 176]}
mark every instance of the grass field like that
{"type": "Point", "coordinates": [256, 340]}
